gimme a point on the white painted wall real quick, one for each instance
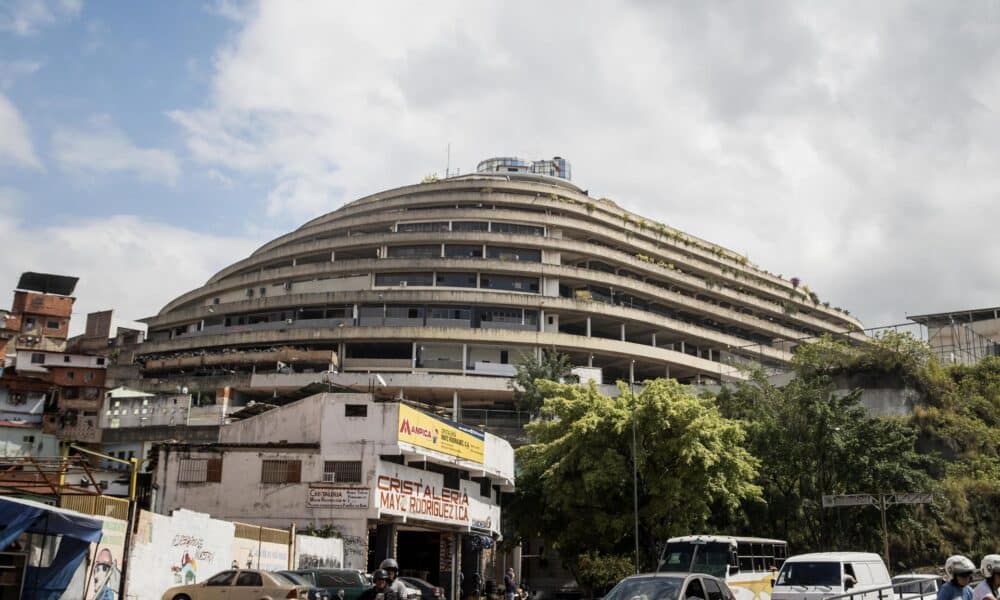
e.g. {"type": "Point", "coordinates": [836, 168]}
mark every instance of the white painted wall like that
{"type": "Point", "coordinates": [159, 548]}
{"type": "Point", "coordinates": [28, 409]}
{"type": "Point", "coordinates": [58, 359]}
{"type": "Point", "coordinates": [27, 441]}
{"type": "Point", "coordinates": [316, 553]}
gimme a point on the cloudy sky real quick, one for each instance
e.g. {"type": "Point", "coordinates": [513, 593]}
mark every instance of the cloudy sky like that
{"type": "Point", "coordinates": [854, 145]}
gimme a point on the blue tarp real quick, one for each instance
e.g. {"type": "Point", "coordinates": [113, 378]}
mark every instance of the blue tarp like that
{"type": "Point", "coordinates": [77, 532]}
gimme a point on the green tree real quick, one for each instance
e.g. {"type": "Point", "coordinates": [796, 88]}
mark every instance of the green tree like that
{"type": "Point", "coordinates": [812, 440]}
{"type": "Point", "coordinates": [575, 482]}
{"type": "Point", "coordinates": [550, 366]}
{"type": "Point", "coordinates": [597, 573]}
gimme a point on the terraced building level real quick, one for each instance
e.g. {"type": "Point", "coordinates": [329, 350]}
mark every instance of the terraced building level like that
{"type": "Point", "coordinates": [439, 287]}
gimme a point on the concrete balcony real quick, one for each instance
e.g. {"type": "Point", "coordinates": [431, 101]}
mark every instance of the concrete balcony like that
{"type": "Point", "coordinates": [374, 364]}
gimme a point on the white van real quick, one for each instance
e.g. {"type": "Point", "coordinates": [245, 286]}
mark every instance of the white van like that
{"type": "Point", "coordinates": [825, 574]}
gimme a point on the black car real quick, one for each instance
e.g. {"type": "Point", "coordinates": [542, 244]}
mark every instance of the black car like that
{"type": "Point", "coordinates": [671, 586]}
{"type": "Point", "coordinates": [315, 593]}
{"type": "Point", "coordinates": [428, 591]}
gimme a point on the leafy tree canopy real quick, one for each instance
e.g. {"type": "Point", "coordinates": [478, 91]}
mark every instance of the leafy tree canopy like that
{"type": "Point", "coordinates": [551, 366]}
{"type": "Point", "coordinates": [575, 485]}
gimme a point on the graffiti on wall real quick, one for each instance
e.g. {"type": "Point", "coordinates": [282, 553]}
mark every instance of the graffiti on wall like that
{"type": "Point", "coordinates": [317, 553]}
{"type": "Point", "coordinates": [106, 560]}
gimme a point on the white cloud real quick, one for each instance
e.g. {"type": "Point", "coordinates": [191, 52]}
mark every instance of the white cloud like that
{"type": "Point", "coordinates": [27, 17]}
{"type": "Point", "coordinates": [850, 145]}
{"type": "Point", "coordinates": [101, 147]}
{"type": "Point", "coordinates": [124, 262]}
{"type": "Point", "coordinates": [15, 139]}
{"type": "Point", "coordinates": [11, 70]}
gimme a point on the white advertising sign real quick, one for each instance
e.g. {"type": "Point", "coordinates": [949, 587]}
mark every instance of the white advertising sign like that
{"type": "Point", "coordinates": [337, 497]}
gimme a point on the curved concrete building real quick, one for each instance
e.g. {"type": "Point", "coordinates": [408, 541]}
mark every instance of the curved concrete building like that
{"type": "Point", "coordinates": [439, 287]}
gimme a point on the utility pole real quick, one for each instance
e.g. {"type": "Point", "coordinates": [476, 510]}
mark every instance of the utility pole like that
{"type": "Point", "coordinates": [882, 502]}
{"type": "Point", "coordinates": [635, 476]}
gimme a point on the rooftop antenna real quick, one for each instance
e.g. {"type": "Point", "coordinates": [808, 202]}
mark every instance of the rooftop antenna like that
{"type": "Point", "coordinates": [447, 168]}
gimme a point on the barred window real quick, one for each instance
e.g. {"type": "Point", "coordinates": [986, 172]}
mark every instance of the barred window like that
{"type": "Point", "coordinates": [200, 470]}
{"type": "Point", "coordinates": [342, 471]}
{"type": "Point", "coordinates": [281, 471]}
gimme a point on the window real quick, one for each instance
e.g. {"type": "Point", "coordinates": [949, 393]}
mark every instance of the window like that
{"type": "Point", "coordinates": [422, 227]}
{"type": "Point", "coordinates": [513, 254]}
{"type": "Point", "coordinates": [37, 358]}
{"type": "Point", "coordinates": [249, 292]}
{"type": "Point", "coordinates": [281, 471]}
{"type": "Point", "coordinates": [355, 410]}
{"type": "Point", "coordinates": [415, 251]}
{"type": "Point", "coordinates": [101, 360]}
{"type": "Point", "coordinates": [249, 579]}
{"type": "Point", "coordinates": [470, 226]}
{"type": "Point", "coordinates": [466, 280]}
{"type": "Point", "coordinates": [200, 470]}
{"type": "Point", "coordinates": [342, 471]}
{"type": "Point", "coordinates": [694, 590]}
{"type": "Point", "coordinates": [403, 279]}
{"type": "Point", "coordinates": [88, 377]}
{"type": "Point", "coordinates": [66, 359]}
{"type": "Point", "coordinates": [215, 300]}
{"type": "Point", "coordinates": [517, 229]}
{"type": "Point", "coordinates": [506, 282]}
{"type": "Point", "coordinates": [70, 375]}
{"type": "Point", "coordinates": [223, 578]}
{"type": "Point", "coordinates": [463, 251]}
{"type": "Point", "coordinates": [52, 324]}
{"type": "Point", "coordinates": [713, 589]}
{"type": "Point", "coordinates": [29, 322]}
{"type": "Point", "coordinates": [338, 578]}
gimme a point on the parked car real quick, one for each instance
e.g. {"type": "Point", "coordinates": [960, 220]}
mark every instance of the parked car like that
{"type": "Point", "coordinates": [428, 591]}
{"type": "Point", "coordinates": [825, 574]}
{"type": "Point", "coordinates": [412, 591]}
{"type": "Point", "coordinates": [335, 581]}
{"type": "Point", "coordinates": [239, 585]}
{"type": "Point", "coordinates": [315, 593]}
{"type": "Point", "coordinates": [914, 586]}
{"type": "Point", "coordinates": [671, 586]}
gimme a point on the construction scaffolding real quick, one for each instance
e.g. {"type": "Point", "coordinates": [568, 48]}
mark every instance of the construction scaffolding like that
{"type": "Point", "coordinates": [962, 337]}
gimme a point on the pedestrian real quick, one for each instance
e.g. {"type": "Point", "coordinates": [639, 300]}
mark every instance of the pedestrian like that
{"type": "Point", "coordinates": [396, 586]}
{"type": "Point", "coordinates": [381, 580]}
{"type": "Point", "coordinates": [988, 587]}
{"type": "Point", "coordinates": [509, 588]}
{"type": "Point", "coordinates": [959, 570]}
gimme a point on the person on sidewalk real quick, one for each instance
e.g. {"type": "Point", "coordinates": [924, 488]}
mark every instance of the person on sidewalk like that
{"type": "Point", "coordinates": [509, 587]}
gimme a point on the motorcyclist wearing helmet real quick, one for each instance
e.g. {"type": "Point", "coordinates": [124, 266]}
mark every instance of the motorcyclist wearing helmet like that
{"type": "Point", "coordinates": [381, 580]}
{"type": "Point", "coordinates": [396, 586]}
{"type": "Point", "coordinates": [959, 570]}
{"type": "Point", "coordinates": [987, 588]}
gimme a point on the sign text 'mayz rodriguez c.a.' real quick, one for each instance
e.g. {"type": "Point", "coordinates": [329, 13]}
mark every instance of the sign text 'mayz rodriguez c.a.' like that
{"type": "Point", "coordinates": [405, 497]}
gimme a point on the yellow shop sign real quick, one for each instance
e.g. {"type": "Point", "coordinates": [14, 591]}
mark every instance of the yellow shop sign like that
{"type": "Point", "coordinates": [441, 435]}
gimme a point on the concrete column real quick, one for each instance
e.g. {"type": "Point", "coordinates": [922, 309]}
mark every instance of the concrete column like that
{"type": "Point", "coordinates": [631, 372]}
{"type": "Point", "coordinates": [413, 359]}
{"type": "Point", "coordinates": [333, 255]}
{"type": "Point", "coordinates": [623, 332]}
{"type": "Point", "coordinates": [442, 250]}
{"type": "Point", "coordinates": [588, 326]}
{"type": "Point", "coordinates": [294, 261]}
{"type": "Point", "coordinates": [354, 313]}
{"type": "Point", "coordinates": [682, 346]}
{"type": "Point", "coordinates": [456, 406]}
{"type": "Point", "coordinates": [590, 360]}
{"type": "Point", "coordinates": [541, 319]}
{"type": "Point", "coordinates": [668, 372]}
{"type": "Point", "coordinates": [654, 339]}
{"type": "Point", "coordinates": [465, 357]}
{"type": "Point", "coordinates": [483, 255]}
{"type": "Point", "coordinates": [456, 566]}
{"type": "Point", "coordinates": [709, 354]}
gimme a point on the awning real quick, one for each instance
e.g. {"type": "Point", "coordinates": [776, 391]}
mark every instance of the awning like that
{"type": "Point", "coordinates": [76, 531]}
{"type": "Point", "coordinates": [124, 392]}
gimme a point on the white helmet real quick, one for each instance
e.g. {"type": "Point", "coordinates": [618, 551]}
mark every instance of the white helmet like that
{"type": "Point", "coordinates": [958, 565]}
{"type": "Point", "coordinates": [991, 565]}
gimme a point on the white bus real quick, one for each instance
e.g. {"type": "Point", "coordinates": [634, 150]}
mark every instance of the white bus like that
{"type": "Point", "coordinates": [747, 564]}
